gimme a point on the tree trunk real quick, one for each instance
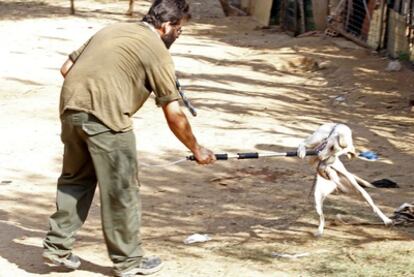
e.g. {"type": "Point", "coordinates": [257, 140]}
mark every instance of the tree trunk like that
{"type": "Point", "coordinates": [72, 6]}
{"type": "Point", "coordinates": [320, 13]}
{"type": "Point", "coordinates": [131, 8]}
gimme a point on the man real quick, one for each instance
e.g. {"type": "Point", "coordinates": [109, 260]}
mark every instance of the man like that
{"type": "Point", "coordinates": [106, 81]}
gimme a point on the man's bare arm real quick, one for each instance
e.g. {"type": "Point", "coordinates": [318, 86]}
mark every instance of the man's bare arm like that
{"type": "Point", "coordinates": [66, 67]}
{"type": "Point", "coordinates": [179, 125]}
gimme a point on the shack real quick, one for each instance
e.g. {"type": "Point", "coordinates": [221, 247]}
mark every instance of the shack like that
{"type": "Point", "coordinates": [377, 24]}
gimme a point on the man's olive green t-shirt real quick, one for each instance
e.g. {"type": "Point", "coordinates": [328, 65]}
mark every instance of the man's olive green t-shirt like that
{"type": "Point", "coordinates": [114, 73]}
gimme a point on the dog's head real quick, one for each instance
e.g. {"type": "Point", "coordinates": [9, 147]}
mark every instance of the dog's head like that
{"type": "Point", "coordinates": [338, 143]}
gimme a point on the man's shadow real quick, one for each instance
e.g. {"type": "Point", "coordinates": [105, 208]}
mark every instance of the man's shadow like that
{"type": "Point", "coordinates": [17, 247]}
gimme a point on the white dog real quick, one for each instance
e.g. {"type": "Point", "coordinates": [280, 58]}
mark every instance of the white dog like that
{"type": "Point", "coordinates": [332, 140]}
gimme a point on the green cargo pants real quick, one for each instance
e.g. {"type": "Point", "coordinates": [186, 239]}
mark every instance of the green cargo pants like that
{"type": "Point", "coordinates": [95, 154]}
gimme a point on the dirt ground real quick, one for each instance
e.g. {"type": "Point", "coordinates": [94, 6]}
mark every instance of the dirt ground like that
{"type": "Point", "coordinates": [255, 90]}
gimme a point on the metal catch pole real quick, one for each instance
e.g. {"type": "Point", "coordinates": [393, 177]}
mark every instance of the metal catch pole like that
{"type": "Point", "coordinates": [256, 155]}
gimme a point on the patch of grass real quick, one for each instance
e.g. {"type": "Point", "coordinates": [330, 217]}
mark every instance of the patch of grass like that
{"type": "Point", "coordinates": [402, 56]}
{"type": "Point", "coordinates": [250, 253]}
{"type": "Point", "coordinates": [377, 259]}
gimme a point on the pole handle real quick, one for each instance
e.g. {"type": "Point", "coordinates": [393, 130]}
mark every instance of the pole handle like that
{"type": "Point", "coordinates": [254, 155]}
{"type": "Point", "coordinates": [295, 154]}
{"type": "Point", "coordinates": [248, 155]}
{"type": "Point", "coordinates": [311, 153]}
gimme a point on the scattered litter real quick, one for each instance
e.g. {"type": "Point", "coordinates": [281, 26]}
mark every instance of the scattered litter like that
{"type": "Point", "coordinates": [197, 238]}
{"type": "Point", "coordinates": [404, 214]}
{"type": "Point", "coordinates": [368, 155]}
{"type": "Point", "coordinates": [405, 206]}
{"type": "Point", "coordinates": [393, 66]}
{"type": "Point", "coordinates": [385, 183]}
{"type": "Point", "coordinates": [324, 64]}
{"type": "Point", "coordinates": [330, 32]}
{"type": "Point", "coordinates": [340, 98]}
{"type": "Point", "coordinates": [6, 182]}
{"type": "Point", "coordinates": [223, 178]}
{"type": "Point", "coordinates": [289, 256]}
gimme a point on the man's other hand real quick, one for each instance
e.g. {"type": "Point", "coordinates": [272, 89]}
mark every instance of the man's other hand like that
{"type": "Point", "coordinates": [204, 155]}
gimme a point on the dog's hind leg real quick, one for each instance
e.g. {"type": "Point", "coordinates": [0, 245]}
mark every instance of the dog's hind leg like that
{"type": "Point", "coordinates": [384, 218]}
{"type": "Point", "coordinates": [323, 187]}
{"type": "Point", "coordinates": [342, 170]}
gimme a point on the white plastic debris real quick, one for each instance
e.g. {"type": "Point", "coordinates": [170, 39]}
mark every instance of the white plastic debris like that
{"type": "Point", "coordinates": [197, 238]}
{"type": "Point", "coordinates": [393, 66]}
{"type": "Point", "coordinates": [340, 98]}
{"type": "Point", "coordinates": [324, 64]}
{"type": "Point", "coordinates": [289, 256]}
{"type": "Point", "coordinates": [404, 206]}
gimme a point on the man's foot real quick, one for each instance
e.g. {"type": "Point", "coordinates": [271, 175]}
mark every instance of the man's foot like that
{"type": "Point", "coordinates": [147, 266]}
{"type": "Point", "coordinates": [70, 261]}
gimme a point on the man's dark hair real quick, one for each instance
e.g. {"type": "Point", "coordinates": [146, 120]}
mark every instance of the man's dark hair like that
{"type": "Point", "coordinates": [167, 10]}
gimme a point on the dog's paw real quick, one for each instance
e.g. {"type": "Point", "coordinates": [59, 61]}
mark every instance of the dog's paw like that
{"type": "Point", "coordinates": [318, 234]}
{"type": "Point", "coordinates": [301, 151]}
{"type": "Point", "coordinates": [388, 221]}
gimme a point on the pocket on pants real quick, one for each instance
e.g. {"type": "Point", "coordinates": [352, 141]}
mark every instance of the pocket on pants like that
{"type": "Point", "coordinates": [94, 128]}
